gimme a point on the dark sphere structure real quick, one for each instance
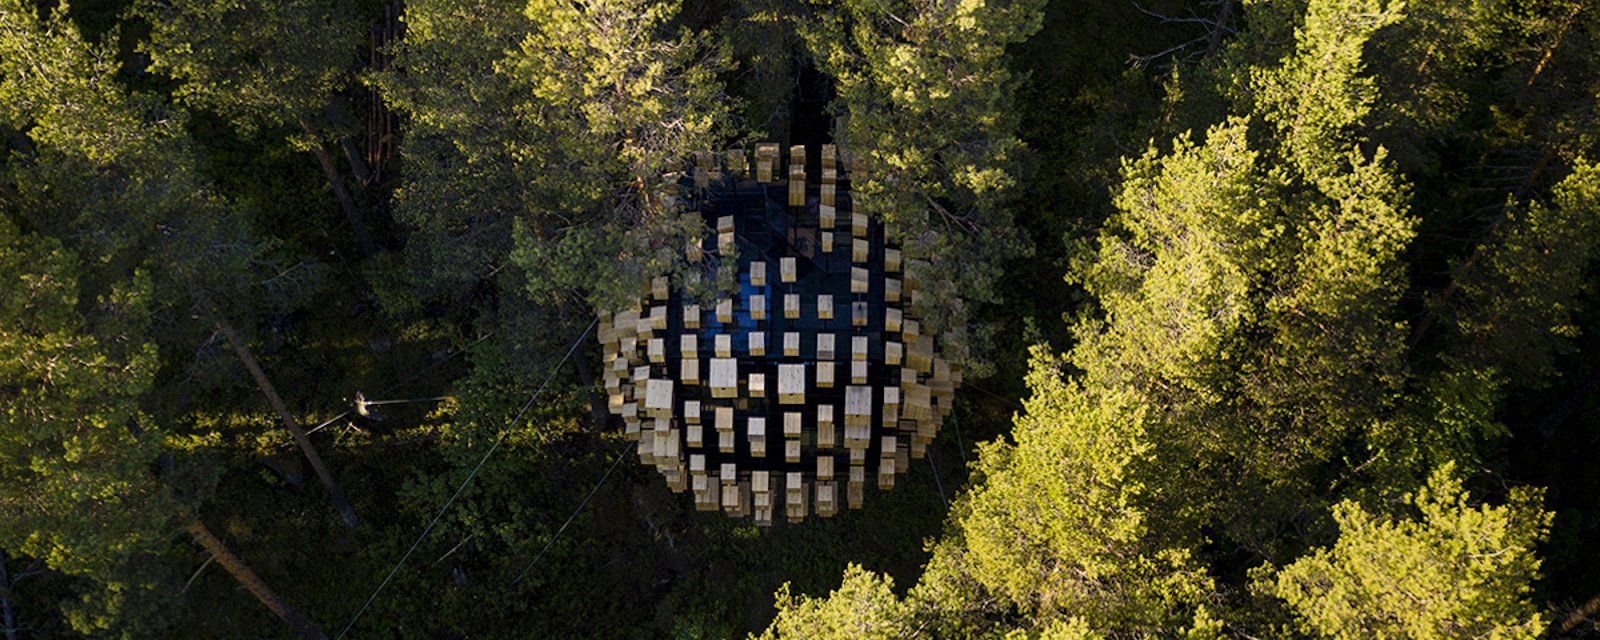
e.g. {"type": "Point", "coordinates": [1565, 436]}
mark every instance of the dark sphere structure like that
{"type": "Point", "coordinates": [813, 376]}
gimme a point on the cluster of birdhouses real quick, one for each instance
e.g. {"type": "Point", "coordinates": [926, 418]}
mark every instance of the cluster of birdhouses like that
{"type": "Point", "coordinates": [779, 398]}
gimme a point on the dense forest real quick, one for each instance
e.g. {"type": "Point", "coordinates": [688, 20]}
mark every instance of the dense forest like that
{"type": "Point", "coordinates": [1282, 316]}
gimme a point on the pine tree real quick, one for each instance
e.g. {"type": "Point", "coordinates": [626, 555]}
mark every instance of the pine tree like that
{"type": "Point", "coordinates": [925, 101]}
{"type": "Point", "coordinates": [278, 63]}
{"type": "Point", "coordinates": [1450, 569]}
{"type": "Point", "coordinates": [621, 98]}
{"type": "Point", "coordinates": [864, 606]}
{"type": "Point", "coordinates": [466, 170]}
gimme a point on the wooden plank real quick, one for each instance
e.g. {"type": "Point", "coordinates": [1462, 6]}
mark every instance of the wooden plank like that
{"type": "Point", "coordinates": [919, 355]}
{"type": "Point", "coordinates": [827, 505]}
{"type": "Point", "coordinates": [756, 433]}
{"type": "Point", "coordinates": [792, 385]}
{"type": "Point", "coordinates": [724, 378]}
{"type": "Point", "coordinates": [825, 375]}
{"type": "Point", "coordinates": [757, 386]}
{"type": "Point", "coordinates": [918, 403]}
{"type": "Point", "coordinates": [857, 404]}
{"type": "Point", "coordinates": [766, 162]}
{"type": "Point", "coordinates": [758, 306]}
{"type": "Point", "coordinates": [797, 186]}
{"type": "Point", "coordinates": [858, 480]}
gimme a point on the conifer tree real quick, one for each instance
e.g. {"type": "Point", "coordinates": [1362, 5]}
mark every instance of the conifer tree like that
{"type": "Point", "coordinates": [621, 98]}
{"type": "Point", "coordinates": [864, 606]}
{"type": "Point", "coordinates": [925, 102]}
{"type": "Point", "coordinates": [467, 167]}
{"type": "Point", "coordinates": [1451, 568]}
{"type": "Point", "coordinates": [277, 63]}
{"type": "Point", "coordinates": [118, 191]}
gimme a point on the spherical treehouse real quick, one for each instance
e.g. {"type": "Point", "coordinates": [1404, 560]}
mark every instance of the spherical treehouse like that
{"type": "Point", "coordinates": [812, 377]}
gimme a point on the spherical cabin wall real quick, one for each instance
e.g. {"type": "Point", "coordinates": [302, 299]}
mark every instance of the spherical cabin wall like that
{"type": "Point", "coordinates": [810, 379]}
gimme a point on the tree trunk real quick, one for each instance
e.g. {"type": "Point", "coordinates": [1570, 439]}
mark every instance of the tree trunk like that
{"type": "Point", "coordinates": [352, 156]}
{"type": "Point", "coordinates": [325, 160]}
{"type": "Point", "coordinates": [1214, 42]}
{"type": "Point", "coordinates": [242, 572]}
{"type": "Point", "coordinates": [1584, 612]}
{"type": "Point", "coordinates": [1550, 51]}
{"type": "Point", "coordinates": [7, 618]}
{"type": "Point", "coordinates": [310, 450]}
{"type": "Point", "coordinates": [340, 118]}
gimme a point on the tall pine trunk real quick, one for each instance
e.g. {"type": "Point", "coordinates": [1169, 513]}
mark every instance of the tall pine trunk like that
{"type": "Point", "coordinates": [310, 450]}
{"type": "Point", "coordinates": [242, 572]}
{"type": "Point", "coordinates": [325, 160]}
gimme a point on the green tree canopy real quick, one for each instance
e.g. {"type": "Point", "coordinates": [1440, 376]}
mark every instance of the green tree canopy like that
{"type": "Point", "coordinates": [76, 452]}
{"type": "Point", "coordinates": [622, 98]}
{"type": "Point", "coordinates": [864, 606]}
{"type": "Point", "coordinates": [275, 63]}
{"type": "Point", "coordinates": [925, 101]}
{"type": "Point", "coordinates": [1451, 568]}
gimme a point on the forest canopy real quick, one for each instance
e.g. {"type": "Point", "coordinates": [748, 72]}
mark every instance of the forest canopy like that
{"type": "Point", "coordinates": [1279, 318]}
